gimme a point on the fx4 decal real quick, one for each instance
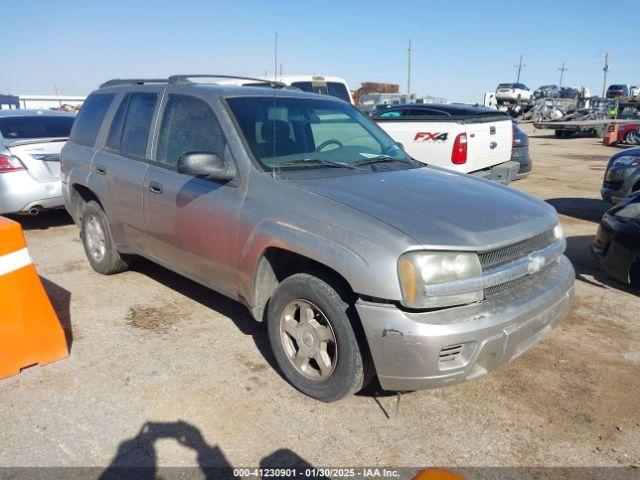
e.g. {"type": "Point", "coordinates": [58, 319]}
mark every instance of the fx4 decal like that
{"type": "Point", "coordinates": [430, 137]}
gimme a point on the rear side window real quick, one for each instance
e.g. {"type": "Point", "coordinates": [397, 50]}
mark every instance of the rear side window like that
{"type": "Point", "coordinates": [87, 124]}
{"type": "Point", "coordinates": [115, 132]}
{"type": "Point", "coordinates": [41, 126]}
{"type": "Point", "coordinates": [188, 125]}
{"type": "Point", "coordinates": [137, 123]}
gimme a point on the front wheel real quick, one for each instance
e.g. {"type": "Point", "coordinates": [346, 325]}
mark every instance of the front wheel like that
{"type": "Point", "coordinates": [313, 339]}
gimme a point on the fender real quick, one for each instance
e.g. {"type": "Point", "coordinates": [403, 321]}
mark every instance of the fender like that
{"type": "Point", "coordinates": [321, 248]}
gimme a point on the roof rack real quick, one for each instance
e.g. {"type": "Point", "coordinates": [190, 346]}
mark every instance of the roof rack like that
{"type": "Point", "coordinates": [184, 79]}
{"type": "Point", "coordinates": [132, 81]}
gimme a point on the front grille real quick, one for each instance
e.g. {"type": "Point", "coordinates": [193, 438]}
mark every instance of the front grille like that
{"type": "Point", "coordinates": [516, 251]}
{"type": "Point", "coordinates": [505, 286]}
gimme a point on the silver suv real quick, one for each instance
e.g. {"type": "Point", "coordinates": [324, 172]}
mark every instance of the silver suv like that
{"type": "Point", "coordinates": [360, 260]}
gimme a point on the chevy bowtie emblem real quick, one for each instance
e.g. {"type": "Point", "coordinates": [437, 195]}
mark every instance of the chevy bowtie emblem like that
{"type": "Point", "coordinates": [536, 264]}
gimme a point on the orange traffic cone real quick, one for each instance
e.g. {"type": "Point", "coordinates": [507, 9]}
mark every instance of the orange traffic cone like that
{"type": "Point", "coordinates": [437, 474]}
{"type": "Point", "coordinates": [30, 332]}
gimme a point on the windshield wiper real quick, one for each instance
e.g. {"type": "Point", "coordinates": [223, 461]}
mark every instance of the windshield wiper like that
{"type": "Point", "coordinates": [315, 161]}
{"type": "Point", "coordinates": [379, 159]}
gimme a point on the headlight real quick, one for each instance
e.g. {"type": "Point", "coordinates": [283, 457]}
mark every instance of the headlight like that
{"type": "Point", "coordinates": [558, 232]}
{"type": "Point", "coordinates": [418, 270]}
{"type": "Point", "coordinates": [626, 161]}
{"type": "Point", "coordinates": [630, 211]}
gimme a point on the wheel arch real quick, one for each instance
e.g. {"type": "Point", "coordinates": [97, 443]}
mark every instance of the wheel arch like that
{"type": "Point", "coordinates": [276, 263]}
{"type": "Point", "coordinates": [80, 195]}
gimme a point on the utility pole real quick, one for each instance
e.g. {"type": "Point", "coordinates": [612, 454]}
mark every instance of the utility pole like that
{"type": "Point", "coordinates": [562, 70]}
{"type": "Point", "coordinates": [519, 67]}
{"type": "Point", "coordinates": [605, 69]}
{"type": "Point", "coordinates": [409, 69]}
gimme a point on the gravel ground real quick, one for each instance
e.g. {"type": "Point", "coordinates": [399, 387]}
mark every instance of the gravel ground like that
{"type": "Point", "coordinates": [165, 372]}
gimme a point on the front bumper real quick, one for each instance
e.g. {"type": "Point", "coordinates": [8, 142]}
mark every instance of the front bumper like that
{"type": "Point", "coordinates": [19, 193]}
{"type": "Point", "coordinates": [413, 351]}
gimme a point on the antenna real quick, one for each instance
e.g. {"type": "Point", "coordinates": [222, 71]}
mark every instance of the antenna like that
{"type": "Point", "coordinates": [520, 66]}
{"type": "Point", "coordinates": [562, 70]}
{"type": "Point", "coordinates": [409, 69]}
{"type": "Point", "coordinates": [275, 59]}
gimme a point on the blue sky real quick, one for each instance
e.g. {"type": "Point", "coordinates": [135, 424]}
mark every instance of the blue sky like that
{"type": "Point", "coordinates": [460, 49]}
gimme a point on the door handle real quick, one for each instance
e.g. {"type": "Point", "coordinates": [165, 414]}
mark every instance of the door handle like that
{"type": "Point", "coordinates": [100, 170]}
{"type": "Point", "coordinates": [156, 187]}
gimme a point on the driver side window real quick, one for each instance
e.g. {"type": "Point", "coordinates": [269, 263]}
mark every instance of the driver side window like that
{"type": "Point", "coordinates": [188, 125]}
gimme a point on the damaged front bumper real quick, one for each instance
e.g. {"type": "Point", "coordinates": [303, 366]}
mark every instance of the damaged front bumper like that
{"type": "Point", "coordinates": [419, 350]}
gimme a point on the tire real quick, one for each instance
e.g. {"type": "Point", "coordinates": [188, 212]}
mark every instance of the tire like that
{"type": "Point", "coordinates": [347, 368]}
{"type": "Point", "coordinates": [98, 241]}
{"type": "Point", "coordinates": [631, 138]}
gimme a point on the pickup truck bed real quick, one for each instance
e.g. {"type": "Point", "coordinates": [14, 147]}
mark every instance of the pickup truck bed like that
{"type": "Point", "coordinates": [482, 138]}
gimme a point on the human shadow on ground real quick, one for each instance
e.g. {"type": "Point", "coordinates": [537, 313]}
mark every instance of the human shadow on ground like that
{"type": "Point", "coordinates": [137, 458]}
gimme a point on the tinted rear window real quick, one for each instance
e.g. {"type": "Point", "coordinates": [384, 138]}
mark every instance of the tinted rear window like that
{"type": "Point", "coordinates": [39, 126]}
{"type": "Point", "coordinates": [335, 89]}
{"type": "Point", "coordinates": [87, 124]}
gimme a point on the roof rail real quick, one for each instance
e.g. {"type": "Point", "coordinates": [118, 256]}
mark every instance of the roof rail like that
{"type": "Point", "coordinates": [132, 81]}
{"type": "Point", "coordinates": [184, 79]}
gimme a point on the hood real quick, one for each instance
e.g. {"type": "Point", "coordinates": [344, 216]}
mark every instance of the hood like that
{"type": "Point", "coordinates": [632, 152]}
{"type": "Point", "coordinates": [438, 208]}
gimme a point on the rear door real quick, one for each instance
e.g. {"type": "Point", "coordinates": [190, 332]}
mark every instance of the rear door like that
{"type": "Point", "coordinates": [122, 165]}
{"type": "Point", "coordinates": [192, 223]}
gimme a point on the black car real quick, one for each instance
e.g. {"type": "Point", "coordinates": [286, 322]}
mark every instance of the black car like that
{"type": "Point", "coordinates": [569, 92]}
{"type": "Point", "coordinates": [520, 152]}
{"type": "Point", "coordinates": [617, 243]}
{"type": "Point", "coordinates": [547, 91]}
{"type": "Point", "coordinates": [622, 176]}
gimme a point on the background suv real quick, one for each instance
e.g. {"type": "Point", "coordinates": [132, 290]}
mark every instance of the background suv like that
{"type": "Point", "coordinates": [513, 92]}
{"type": "Point", "coordinates": [617, 91]}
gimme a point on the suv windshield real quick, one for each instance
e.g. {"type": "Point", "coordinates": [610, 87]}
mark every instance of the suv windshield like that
{"type": "Point", "coordinates": [36, 126]}
{"type": "Point", "coordinates": [297, 133]}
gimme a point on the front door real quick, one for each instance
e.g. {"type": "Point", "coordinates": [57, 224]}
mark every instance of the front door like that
{"type": "Point", "coordinates": [192, 223]}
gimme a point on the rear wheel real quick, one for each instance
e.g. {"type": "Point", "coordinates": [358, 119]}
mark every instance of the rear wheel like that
{"type": "Point", "coordinates": [632, 138]}
{"type": "Point", "coordinates": [98, 241]}
{"type": "Point", "coordinates": [313, 339]}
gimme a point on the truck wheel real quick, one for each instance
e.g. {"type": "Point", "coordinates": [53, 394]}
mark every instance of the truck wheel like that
{"type": "Point", "coordinates": [313, 339]}
{"type": "Point", "coordinates": [98, 241]}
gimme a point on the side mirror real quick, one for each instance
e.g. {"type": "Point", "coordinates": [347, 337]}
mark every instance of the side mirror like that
{"type": "Point", "coordinates": [205, 164]}
{"type": "Point", "coordinates": [400, 146]}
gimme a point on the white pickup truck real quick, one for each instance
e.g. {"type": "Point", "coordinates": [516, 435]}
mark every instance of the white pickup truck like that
{"type": "Point", "coordinates": [463, 138]}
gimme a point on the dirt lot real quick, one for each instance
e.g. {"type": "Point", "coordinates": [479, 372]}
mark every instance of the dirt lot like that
{"type": "Point", "coordinates": [163, 371]}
